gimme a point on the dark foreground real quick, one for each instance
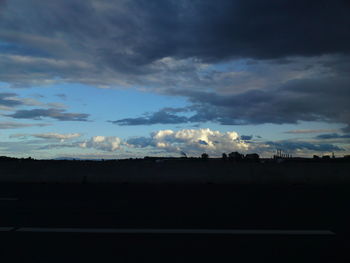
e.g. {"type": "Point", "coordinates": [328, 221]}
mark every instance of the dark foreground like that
{"type": "Point", "coordinates": [174, 223]}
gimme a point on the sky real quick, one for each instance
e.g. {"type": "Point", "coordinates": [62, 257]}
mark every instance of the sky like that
{"type": "Point", "coordinates": [134, 78]}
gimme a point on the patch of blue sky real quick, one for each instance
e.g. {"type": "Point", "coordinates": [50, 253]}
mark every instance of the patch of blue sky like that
{"type": "Point", "coordinates": [103, 105]}
{"type": "Point", "coordinates": [107, 103]}
{"type": "Point", "coordinates": [4, 85]}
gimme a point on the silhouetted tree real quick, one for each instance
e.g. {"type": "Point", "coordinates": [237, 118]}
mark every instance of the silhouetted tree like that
{"type": "Point", "coordinates": [224, 156]}
{"type": "Point", "coordinates": [235, 156]}
{"type": "Point", "coordinates": [205, 156]}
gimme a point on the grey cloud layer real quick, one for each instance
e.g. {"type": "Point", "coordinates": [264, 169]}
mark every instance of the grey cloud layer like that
{"type": "Point", "coordinates": [170, 46]}
{"type": "Point", "coordinates": [298, 100]}
{"type": "Point", "coordinates": [50, 136]}
{"type": "Point", "coordinates": [333, 136]}
{"type": "Point", "coordinates": [302, 145]}
{"type": "Point", "coordinates": [142, 31]}
{"type": "Point", "coordinates": [67, 37]}
{"type": "Point", "coordinates": [16, 125]}
{"type": "Point", "coordinates": [324, 99]}
{"type": "Point", "coordinates": [310, 131]}
{"type": "Point", "coordinates": [58, 114]}
{"type": "Point", "coordinates": [164, 116]}
{"type": "Point", "coordinates": [11, 102]}
{"type": "Point", "coordinates": [6, 99]}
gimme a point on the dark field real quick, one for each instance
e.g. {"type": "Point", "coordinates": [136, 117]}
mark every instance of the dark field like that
{"type": "Point", "coordinates": [177, 170]}
{"type": "Point", "coordinates": [174, 206]}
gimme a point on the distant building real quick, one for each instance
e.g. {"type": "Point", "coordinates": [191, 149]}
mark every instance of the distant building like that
{"type": "Point", "coordinates": [281, 155]}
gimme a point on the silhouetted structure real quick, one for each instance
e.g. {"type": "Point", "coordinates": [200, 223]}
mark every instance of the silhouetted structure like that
{"type": "Point", "coordinates": [235, 156]}
{"type": "Point", "coordinates": [280, 155]}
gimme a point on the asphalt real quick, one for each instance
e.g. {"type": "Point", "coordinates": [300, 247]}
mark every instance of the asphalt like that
{"type": "Point", "coordinates": [174, 223]}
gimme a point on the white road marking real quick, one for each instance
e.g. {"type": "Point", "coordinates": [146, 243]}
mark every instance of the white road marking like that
{"type": "Point", "coordinates": [179, 231]}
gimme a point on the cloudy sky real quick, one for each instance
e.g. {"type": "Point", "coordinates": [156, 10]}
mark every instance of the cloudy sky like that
{"type": "Point", "coordinates": [129, 78]}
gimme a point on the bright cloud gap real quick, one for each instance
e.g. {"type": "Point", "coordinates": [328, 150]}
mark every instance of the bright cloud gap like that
{"type": "Point", "coordinates": [193, 142]}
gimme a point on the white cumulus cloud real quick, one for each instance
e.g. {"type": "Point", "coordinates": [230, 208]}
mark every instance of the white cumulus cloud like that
{"type": "Point", "coordinates": [104, 143]}
{"type": "Point", "coordinates": [193, 141]}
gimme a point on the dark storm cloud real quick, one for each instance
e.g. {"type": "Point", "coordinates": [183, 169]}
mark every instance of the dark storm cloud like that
{"type": "Point", "coordinates": [299, 100]}
{"type": "Point", "coordinates": [299, 145]}
{"type": "Point", "coordinates": [323, 99]}
{"type": "Point", "coordinates": [213, 31]}
{"type": "Point", "coordinates": [333, 136]}
{"type": "Point", "coordinates": [125, 34]}
{"type": "Point", "coordinates": [58, 114]}
{"type": "Point", "coordinates": [346, 129]}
